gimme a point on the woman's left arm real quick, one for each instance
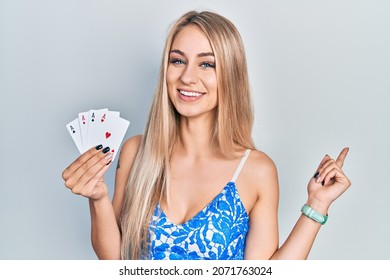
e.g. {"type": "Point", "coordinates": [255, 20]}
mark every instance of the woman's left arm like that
{"type": "Point", "coordinates": [327, 184]}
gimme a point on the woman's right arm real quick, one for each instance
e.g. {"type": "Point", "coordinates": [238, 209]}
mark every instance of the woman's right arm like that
{"type": "Point", "coordinates": [85, 177]}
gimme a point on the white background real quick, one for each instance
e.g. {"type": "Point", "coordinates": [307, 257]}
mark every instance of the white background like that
{"type": "Point", "coordinates": [320, 76]}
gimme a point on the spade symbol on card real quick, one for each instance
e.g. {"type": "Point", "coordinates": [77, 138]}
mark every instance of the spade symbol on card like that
{"type": "Point", "coordinates": [93, 117]}
{"type": "Point", "coordinates": [108, 134]}
{"type": "Point", "coordinates": [72, 129]}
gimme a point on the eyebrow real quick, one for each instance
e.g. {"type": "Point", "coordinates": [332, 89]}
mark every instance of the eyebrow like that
{"type": "Point", "coordinates": [203, 54]}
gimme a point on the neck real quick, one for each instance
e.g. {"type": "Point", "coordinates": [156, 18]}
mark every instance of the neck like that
{"type": "Point", "coordinates": [196, 137]}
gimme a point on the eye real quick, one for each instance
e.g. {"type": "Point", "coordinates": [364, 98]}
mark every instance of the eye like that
{"type": "Point", "coordinates": [177, 61]}
{"type": "Point", "coordinates": [207, 65]}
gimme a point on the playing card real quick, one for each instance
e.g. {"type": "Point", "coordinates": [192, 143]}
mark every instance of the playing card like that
{"type": "Point", "coordinates": [99, 120]}
{"type": "Point", "coordinates": [111, 113]}
{"type": "Point", "coordinates": [109, 133]}
{"type": "Point", "coordinates": [74, 131]}
{"type": "Point", "coordinates": [98, 127]}
{"type": "Point", "coordinates": [95, 119]}
{"type": "Point", "coordinates": [83, 123]}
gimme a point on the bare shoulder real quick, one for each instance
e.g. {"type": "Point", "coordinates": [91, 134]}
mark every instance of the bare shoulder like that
{"type": "Point", "coordinates": [129, 149]}
{"type": "Point", "coordinates": [260, 174]}
{"type": "Point", "coordinates": [260, 167]}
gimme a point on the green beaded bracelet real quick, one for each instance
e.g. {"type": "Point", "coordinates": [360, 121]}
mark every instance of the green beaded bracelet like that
{"type": "Point", "coordinates": [313, 214]}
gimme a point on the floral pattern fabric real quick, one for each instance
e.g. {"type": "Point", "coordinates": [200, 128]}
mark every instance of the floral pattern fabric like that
{"type": "Point", "coordinates": [218, 232]}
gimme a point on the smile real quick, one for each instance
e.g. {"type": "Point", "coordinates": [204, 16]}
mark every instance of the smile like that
{"type": "Point", "coordinates": [190, 93]}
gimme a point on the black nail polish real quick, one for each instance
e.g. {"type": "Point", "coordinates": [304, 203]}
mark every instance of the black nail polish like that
{"type": "Point", "coordinates": [109, 162]}
{"type": "Point", "coordinates": [105, 150]}
{"type": "Point", "coordinates": [323, 183]}
{"type": "Point", "coordinates": [316, 175]}
{"type": "Point", "coordinates": [99, 147]}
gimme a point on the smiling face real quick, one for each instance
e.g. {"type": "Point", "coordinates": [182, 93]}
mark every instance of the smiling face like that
{"type": "Point", "coordinates": [191, 76]}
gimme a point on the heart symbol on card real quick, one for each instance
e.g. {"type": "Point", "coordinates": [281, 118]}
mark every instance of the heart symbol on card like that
{"type": "Point", "coordinates": [108, 134]}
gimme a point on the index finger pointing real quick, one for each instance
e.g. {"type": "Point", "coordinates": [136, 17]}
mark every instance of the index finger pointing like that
{"type": "Point", "coordinates": [341, 158]}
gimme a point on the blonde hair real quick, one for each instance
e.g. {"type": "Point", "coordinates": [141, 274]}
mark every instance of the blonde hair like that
{"type": "Point", "coordinates": [149, 176]}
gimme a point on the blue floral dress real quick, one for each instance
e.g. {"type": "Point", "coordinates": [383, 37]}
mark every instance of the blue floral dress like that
{"type": "Point", "coordinates": [217, 232]}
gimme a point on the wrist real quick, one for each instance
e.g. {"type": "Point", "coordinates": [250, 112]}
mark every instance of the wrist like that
{"type": "Point", "coordinates": [101, 200]}
{"type": "Point", "coordinates": [318, 205]}
{"type": "Point", "coordinates": [313, 214]}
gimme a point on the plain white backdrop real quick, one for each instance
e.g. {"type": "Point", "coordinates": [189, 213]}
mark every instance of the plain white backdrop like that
{"type": "Point", "coordinates": [320, 78]}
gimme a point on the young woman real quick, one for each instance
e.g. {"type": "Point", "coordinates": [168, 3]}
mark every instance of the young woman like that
{"type": "Point", "coordinates": [194, 186]}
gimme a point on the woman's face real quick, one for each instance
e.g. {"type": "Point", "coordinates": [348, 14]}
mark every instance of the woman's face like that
{"type": "Point", "coordinates": [191, 77]}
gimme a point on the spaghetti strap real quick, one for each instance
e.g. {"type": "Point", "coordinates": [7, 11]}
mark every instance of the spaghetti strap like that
{"type": "Point", "coordinates": [240, 166]}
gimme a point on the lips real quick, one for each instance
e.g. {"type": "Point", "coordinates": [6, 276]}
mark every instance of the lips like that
{"type": "Point", "coordinates": [189, 96]}
{"type": "Point", "coordinates": [190, 93]}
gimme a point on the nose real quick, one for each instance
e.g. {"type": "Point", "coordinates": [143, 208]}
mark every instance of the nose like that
{"type": "Point", "coordinates": [189, 75]}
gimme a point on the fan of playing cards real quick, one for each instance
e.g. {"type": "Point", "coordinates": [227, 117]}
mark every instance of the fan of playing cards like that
{"type": "Point", "coordinates": [98, 127]}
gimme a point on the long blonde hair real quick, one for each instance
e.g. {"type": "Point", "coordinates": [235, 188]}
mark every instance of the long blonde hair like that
{"type": "Point", "coordinates": [149, 176]}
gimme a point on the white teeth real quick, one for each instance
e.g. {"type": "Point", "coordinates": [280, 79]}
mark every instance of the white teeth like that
{"type": "Point", "coordinates": [192, 93]}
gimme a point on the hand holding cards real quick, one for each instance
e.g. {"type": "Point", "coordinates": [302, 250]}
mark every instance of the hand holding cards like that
{"type": "Point", "coordinates": [98, 127]}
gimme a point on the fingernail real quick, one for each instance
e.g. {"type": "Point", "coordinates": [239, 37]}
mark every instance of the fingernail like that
{"type": "Point", "coordinates": [105, 150]}
{"type": "Point", "coordinates": [109, 156]}
{"type": "Point", "coordinates": [316, 175]}
{"type": "Point", "coordinates": [323, 183]}
{"type": "Point", "coordinates": [98, 147]}
{"type": "Point", "coordinates": [108, 162]}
